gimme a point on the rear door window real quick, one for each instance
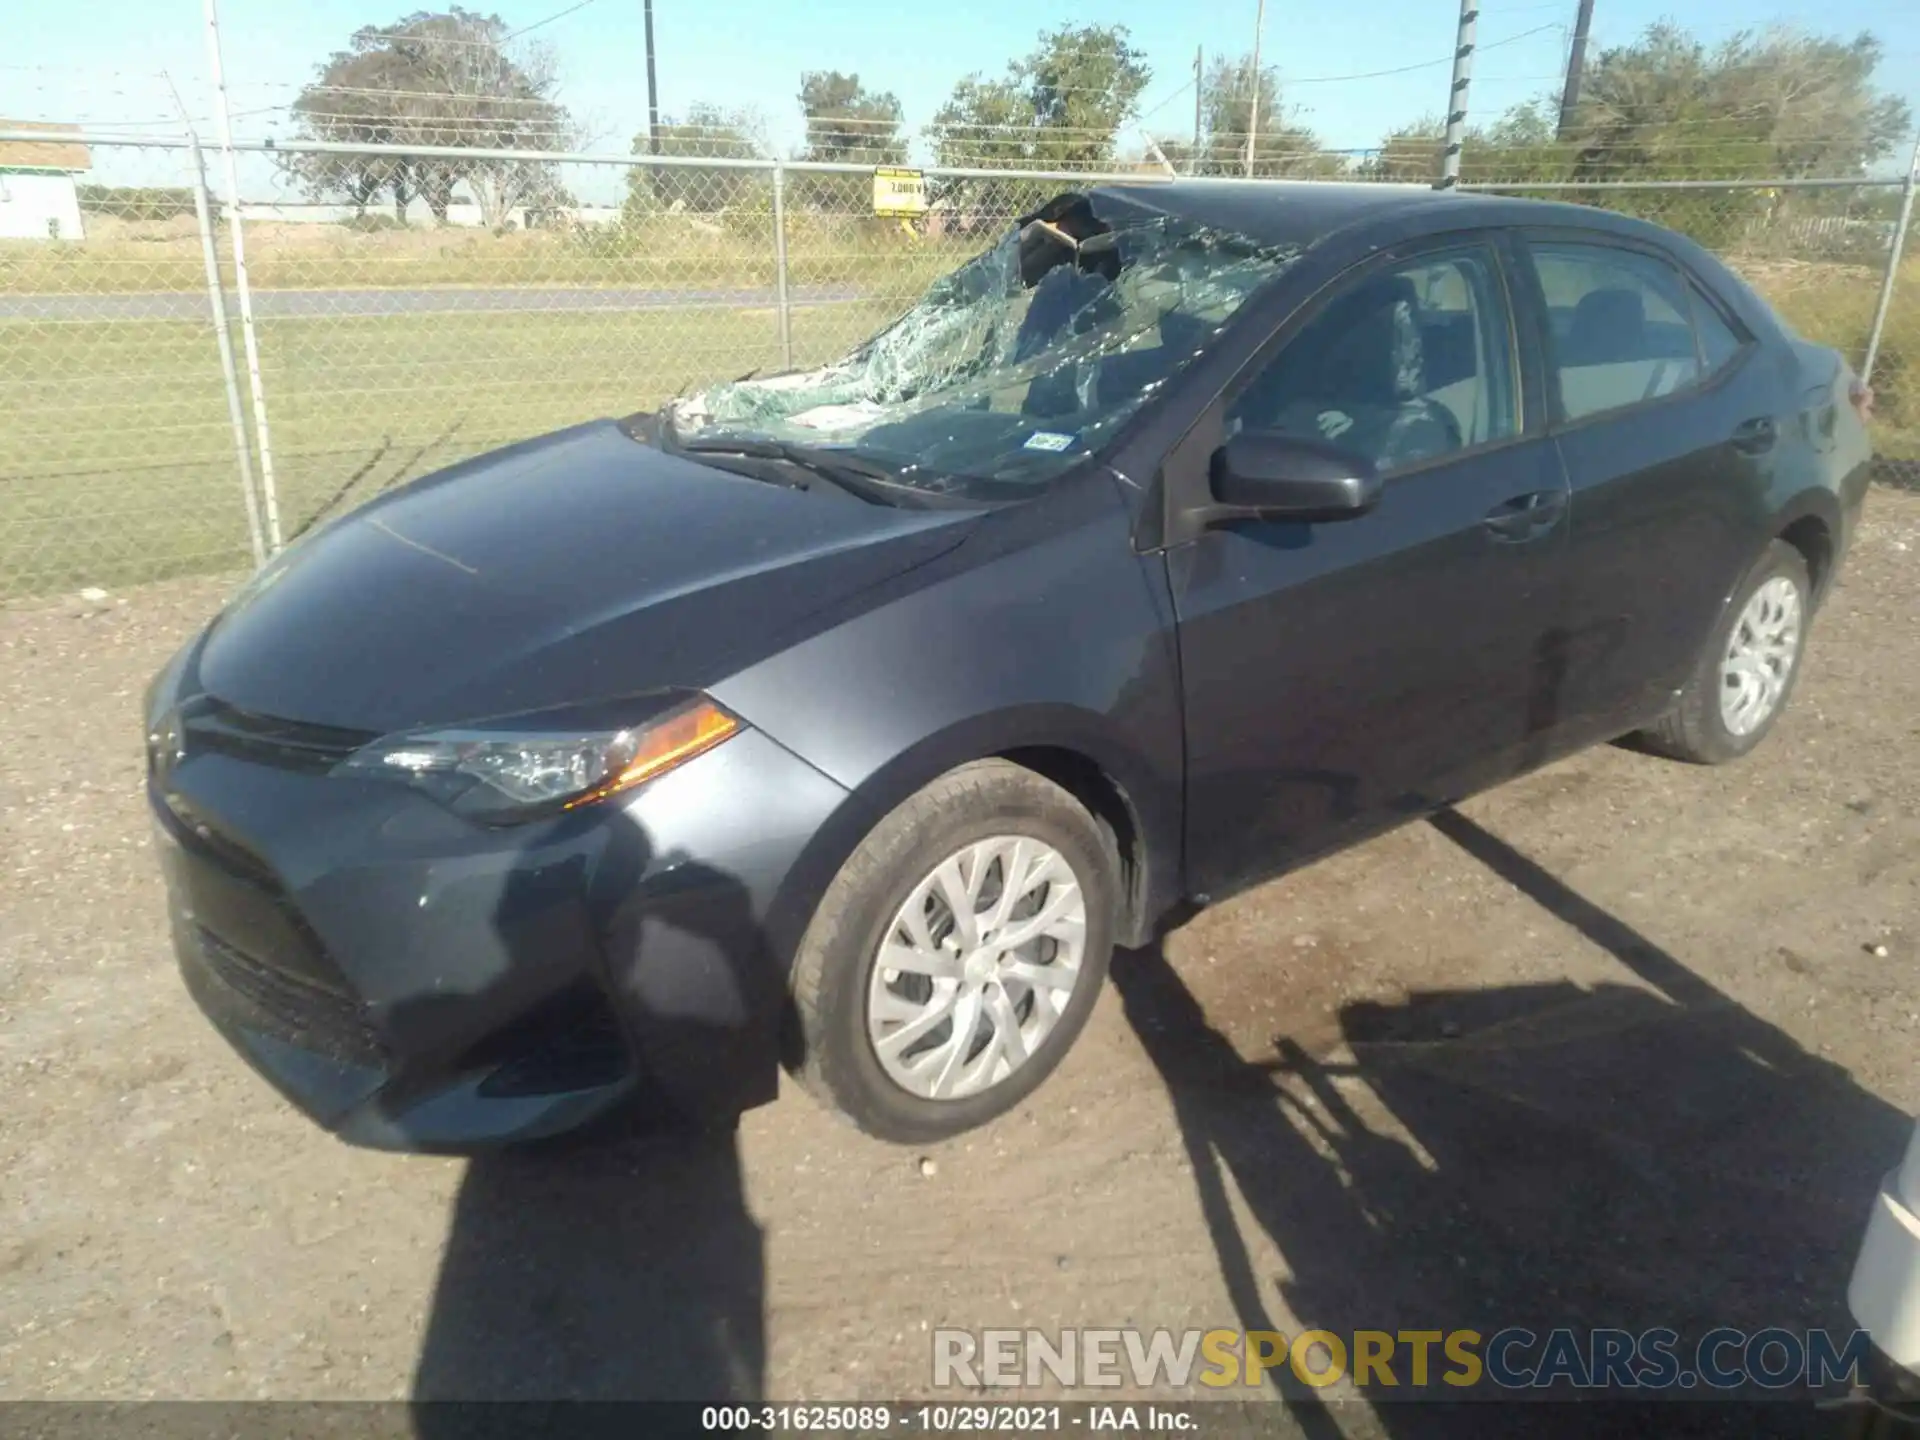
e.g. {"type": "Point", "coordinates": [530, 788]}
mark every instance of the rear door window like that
{"type": "Point", "coordinates": [1622, 331]}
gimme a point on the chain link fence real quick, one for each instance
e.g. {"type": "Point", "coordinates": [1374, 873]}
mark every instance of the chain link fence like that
{"type": "Point", "coordinates": [117, 447]}
{"type": "Point", "coordinates": [145, 433]}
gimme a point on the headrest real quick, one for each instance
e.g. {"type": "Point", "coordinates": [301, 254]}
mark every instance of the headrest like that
{"type": "Point", "coordinates": [1375, 357]}
{"type": "Point", "coordinates": [1608, 325]}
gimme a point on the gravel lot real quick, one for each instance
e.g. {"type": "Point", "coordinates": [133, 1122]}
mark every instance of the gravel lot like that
{"type": "Point", "coordinates": [1623, 1043]}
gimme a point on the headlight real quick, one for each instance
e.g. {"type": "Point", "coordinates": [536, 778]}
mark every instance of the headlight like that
{"type": "Point", "coordinates": [519, 771]}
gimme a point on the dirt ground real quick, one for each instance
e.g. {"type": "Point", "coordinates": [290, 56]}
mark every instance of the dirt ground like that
{"type": "Point", "coordinates": [1623, 1043]}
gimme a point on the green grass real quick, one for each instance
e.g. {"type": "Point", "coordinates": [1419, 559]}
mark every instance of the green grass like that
{"type": "Point", "coordinates": [665, 252]}
{"type": "Point", "coordinates": [116, 453]}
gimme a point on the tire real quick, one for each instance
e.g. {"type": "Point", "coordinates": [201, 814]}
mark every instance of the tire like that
{"type": "Point", "coordinates": [838, 977]}
{"type": "Point", "coordinates": [1698, 729]}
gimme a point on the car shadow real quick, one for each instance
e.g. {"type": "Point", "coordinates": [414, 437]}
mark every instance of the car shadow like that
{"type": "Point", "coordinates": [621, 1262]}
{"type": "Point", "coordinates": [628, 1269]}
{"type": "Point", "coordinates": [1630, 1155]}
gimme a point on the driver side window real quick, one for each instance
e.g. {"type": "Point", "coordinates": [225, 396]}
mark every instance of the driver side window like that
{"type": "Point", "coordinates": [1402, 366]}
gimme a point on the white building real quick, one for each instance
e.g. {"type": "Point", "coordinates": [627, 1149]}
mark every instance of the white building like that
{"type": "Point", "coordinates": [38, 200]}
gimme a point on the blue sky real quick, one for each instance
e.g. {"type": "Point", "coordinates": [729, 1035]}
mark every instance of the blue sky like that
{"type": "Point", "coordinates": [95, 60]}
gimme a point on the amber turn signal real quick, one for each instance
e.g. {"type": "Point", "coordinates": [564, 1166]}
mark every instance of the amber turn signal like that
{"type": "Point", "coordinates": [665, 744]}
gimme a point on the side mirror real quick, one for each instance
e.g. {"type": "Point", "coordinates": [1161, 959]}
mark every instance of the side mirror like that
{"type": "Point", "coordinates": [1261, 474]}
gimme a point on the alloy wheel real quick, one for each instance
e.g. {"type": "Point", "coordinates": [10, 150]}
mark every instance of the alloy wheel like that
{"type": "Point", "coordinates": [976, 968]}
{"type": "Point", "coordinates": [1760, 656]}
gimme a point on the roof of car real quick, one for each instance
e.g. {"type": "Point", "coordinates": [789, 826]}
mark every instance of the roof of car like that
{"type": "Point", "coordinates": [1299, 212]}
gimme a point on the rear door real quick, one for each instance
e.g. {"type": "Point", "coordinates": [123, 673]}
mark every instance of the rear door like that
{"type": "Point", "coordinates": [1667, 431]}
{"type": "Point", "coordinates": [1342, 674]}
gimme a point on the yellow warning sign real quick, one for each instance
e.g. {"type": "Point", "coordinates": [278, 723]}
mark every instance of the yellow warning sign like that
{"type": "Point", "coordinates": [899, 192]}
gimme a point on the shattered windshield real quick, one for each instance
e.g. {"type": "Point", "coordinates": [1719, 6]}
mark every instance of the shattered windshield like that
{"type": "Point", "coordinates": [1013, 367]}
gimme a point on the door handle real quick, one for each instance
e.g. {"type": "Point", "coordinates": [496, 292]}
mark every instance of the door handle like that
{"type": "Point", "coordinates": [1755, 436]}
{"type": "Point", "coordinates": [1526, 517]}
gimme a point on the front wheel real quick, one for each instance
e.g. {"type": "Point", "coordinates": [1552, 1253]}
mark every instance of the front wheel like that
{"type": "Point", "coordinates": [957, 954]}
{"type": "Point", "coordinates": [1746, 675]}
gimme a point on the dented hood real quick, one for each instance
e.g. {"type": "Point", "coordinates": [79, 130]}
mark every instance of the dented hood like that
{"type": "Point", "coordinates": [583, 565]}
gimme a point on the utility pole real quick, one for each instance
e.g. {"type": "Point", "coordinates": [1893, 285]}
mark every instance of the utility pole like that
{"type": "Point", "coordinates": [1457, 96]}
{"type": "Point", "coordinates": [1253, 108]}
{"type": "Point", "coordinates": [1199, 94]}
{"type": "Point", "coordinates": [653, 90]}
{"type": "Point", "coordinates": [1576, 66]}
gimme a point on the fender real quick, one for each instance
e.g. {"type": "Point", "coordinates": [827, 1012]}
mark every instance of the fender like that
{"type": "Point", "coordinates": [1818, 503]}
{"type": "Point", "coordinates": [1151, 804]}
{"type": "Point", "coordinates": [1079, 658]}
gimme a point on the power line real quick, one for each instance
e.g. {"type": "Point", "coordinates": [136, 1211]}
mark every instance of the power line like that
{"type": "Point", "coordinates": [1446, 59]}
{"type": "Point", "coordinates": [557, 15]}
{"type": "Point", "coordinates": [487, 44]}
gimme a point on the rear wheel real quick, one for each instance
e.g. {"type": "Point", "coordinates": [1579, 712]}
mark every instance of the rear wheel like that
{"type": "Point", "coordinates": [1746, 675]}
{"type": "Point", "coordinates": [957, 954]}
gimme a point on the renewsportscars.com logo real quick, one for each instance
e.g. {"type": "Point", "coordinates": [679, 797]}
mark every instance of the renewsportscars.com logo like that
{"type": "Point", "coordinates": [1381, 1362]}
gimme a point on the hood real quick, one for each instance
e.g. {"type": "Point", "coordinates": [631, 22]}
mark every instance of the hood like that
{"type": "Point", "coordinates": [580, 566]}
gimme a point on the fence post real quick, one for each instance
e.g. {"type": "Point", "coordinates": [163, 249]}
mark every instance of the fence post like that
{"type": "Point", "coordinates": [1253, 103]}
{"type": "Point", "coordinates": [241, 288]}
{"type": "Point", "coordinates": [1893, 264]}
{"type": "Point", "coordinates": [780, 264]}
{"type": "Point", "coordinates": [217, 301]}
{"type": "Point", "coordinates": [1457, 97]}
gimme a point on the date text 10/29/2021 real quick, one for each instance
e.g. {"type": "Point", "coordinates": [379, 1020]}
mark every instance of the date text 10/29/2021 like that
{"type": "Point", "coordinates": [946, 1419]}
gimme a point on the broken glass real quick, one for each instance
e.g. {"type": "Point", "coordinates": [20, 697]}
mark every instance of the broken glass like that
{"type": "Point", "coordinates": [1015, 365]}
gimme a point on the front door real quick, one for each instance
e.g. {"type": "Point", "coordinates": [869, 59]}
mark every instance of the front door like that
{"type": "Point", "coordinates": [1340, 675]}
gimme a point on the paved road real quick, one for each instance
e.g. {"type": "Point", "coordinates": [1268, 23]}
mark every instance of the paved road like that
{"type": "Point", "coordinates": [289, 304]}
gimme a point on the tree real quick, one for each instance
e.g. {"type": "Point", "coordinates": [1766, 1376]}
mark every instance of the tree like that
{"type": "Point", "coordinates": [710, 132]}
{"type": "Point", "coordinates": [1519, 146]}
{"type": "Point", "coordinates": [1408, 154]}
{"type": "Point", "coordinates": [1764, 105]}
{"type": "Point", "coordinates": [1227, 114]}
{"type": "Point", "coordinates": [1060, 107]}
{"type": "Point", "coordinates": [846, 122]}
{"type": "Point", "coordinates": [1759, 106]}
{"type": "Point", "coordinates": [1775, 104]}
{"type": "Point", "coordinates": [433, 78]}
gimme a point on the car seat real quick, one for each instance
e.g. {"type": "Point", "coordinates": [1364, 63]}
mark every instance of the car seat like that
{"type": "Point", "coordinates": [1609, 326]}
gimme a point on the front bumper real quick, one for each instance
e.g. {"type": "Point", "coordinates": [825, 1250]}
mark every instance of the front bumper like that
{"type": "Point", "coordinates": [1885, 1293]}
{"type": "Point", "coordinates": [414, 981]}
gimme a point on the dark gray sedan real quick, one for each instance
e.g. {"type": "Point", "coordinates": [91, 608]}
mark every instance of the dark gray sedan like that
{"type": "Point", "coordinates": [850, 718]}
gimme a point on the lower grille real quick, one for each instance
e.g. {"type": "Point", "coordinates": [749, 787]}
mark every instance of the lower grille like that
{"type": "Point", "coordinates": [290, 1008]}
{"type": "Point", "coordinates": [571, 1043]}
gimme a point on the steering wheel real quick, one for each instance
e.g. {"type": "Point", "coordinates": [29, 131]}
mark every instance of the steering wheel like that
{"type": "Point", "coordinates": [1423, 430]}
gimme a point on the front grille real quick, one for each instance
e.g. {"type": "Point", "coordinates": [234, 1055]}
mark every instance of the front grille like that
{"type": "Point", "coordinates": [294, 1009]}
{"type": "Point", "coordinates": [210, 724]}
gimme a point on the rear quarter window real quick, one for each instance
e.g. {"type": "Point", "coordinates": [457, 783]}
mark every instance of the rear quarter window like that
{"type": "Point", "coordinates": [1720, 343]}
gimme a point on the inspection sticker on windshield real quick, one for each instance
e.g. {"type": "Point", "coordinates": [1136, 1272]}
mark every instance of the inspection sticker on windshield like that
{"type": "Point", "coordinates": [1048, 440]}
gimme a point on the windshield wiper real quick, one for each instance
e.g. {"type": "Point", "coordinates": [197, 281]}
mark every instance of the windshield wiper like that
{"type": "Point", "coordinates": [863, 478]}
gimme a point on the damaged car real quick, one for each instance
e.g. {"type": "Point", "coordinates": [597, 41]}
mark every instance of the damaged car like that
{"type": "Point", "coordinates": [847, 721]}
